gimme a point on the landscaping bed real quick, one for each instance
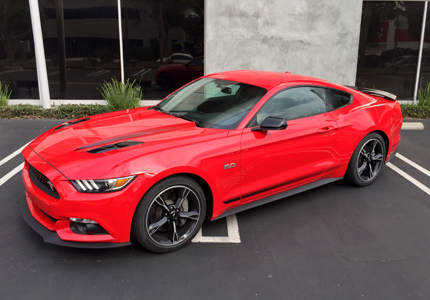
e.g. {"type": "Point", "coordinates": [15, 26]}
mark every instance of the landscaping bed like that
{"type": "Point", "coordinates": [74, 111]}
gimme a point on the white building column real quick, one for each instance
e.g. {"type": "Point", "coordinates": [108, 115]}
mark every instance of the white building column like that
{"type": "Point", "coordinates": [420, 53]}
{"type": "Point", "coordinates": [42, 76]}
{"type": "Point", "coordinates": [121, 51]}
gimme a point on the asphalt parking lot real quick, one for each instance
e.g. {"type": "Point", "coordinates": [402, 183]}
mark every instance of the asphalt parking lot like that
{"type": "Point", "coordinates": [333, 242]}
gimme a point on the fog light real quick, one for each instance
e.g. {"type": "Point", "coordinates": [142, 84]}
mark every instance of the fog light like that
{"type": "Point", "coordinates": [83, 221]}
{"type": "Point", "coordinates": [85, 226]}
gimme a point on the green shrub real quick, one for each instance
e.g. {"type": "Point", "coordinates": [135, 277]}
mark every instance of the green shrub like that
{"type": "Point", "coordinates": [73, 111]}
{"type": "Point", "coordinates": [415, 111]}
{"type": "Point", "coordinates": [424, 94]}
{"type": "Point", "coordinates": [4, 94]}
{"type": "Point", "coordinates": [120, 96]}
{"type": "Point", "coordinates": [69, 111]}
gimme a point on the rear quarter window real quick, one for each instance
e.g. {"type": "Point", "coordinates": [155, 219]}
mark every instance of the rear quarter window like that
{"type": "Point", "coordinates": [337, 99]}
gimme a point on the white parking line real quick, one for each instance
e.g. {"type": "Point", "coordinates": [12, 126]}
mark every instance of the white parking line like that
{"type": "Point", "coordinates": [409, 178]}
{"type": "Point", "coordinates": [232, 231]}
{"type": "Point", "coordinates": [56, 72]}
{"type": "Point", "coordinates": [11, 174]}
{"type": "Point", "coordinates": [102, 73]}
{"type": "Point", "coordinates": [9, 157]}
{"type": "Point", "coordinates": [98, 73]}
{"type": "Point", "coordinates": [412, 126]}
{"type": "Point", "coordinates": [416, 166]}
{"type": "Point", "coordinates": [141, 71]}
{"type": "Point", "coordinates": [16, 70]}
{"type": "Point", "coordinates": [144, 73]}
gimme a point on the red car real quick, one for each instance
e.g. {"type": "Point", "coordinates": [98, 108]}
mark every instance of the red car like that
{"type": "Point", "coordinates": [221, 144]}
{"type": "Point", "coordinates": [173, 76]}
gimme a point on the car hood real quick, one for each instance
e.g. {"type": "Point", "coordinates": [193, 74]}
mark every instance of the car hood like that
{"type": "Point", "coordinates": [88, 149]}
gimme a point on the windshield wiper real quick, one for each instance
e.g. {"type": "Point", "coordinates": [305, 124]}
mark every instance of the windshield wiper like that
{"type": "Point", "coordinates": [162, 110]}
{"type": "Point", "coordinates": [198, 123]}
{"type": "Point", "coordinates": [155, 107]}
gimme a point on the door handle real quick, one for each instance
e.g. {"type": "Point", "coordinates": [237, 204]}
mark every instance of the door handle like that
{"type": "Point", "coordinates": [326, 129]}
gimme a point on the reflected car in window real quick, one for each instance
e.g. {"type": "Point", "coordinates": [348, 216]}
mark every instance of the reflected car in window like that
{"type": "Point", "coordinates": [407, 63]}
{"type": "Point", "coordinates": [173, 76]}
{"type": "Point", "coordinates": [223, 143]}
{"type": "Point", "coordinates": [177, 58]}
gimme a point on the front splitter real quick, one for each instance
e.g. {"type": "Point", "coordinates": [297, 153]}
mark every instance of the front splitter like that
{"type": "Point", "coordinates": [52, 237]}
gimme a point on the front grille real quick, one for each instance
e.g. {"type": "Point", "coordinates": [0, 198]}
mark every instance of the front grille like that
{"type": "Point", "coordinates": [42, 178]}
{"type": "Point", "coordinates": [41, 181]}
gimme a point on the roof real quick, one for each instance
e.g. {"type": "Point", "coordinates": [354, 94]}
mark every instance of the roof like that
{"type": "Point", "coordinates": [265, 79]}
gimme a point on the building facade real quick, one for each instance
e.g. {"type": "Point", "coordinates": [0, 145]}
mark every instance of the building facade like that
{"type": "Point", "coordinates": [378, 44]}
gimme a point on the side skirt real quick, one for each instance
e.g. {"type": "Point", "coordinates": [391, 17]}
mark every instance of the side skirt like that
{"type": "Point", "coordinates": [277, 197]}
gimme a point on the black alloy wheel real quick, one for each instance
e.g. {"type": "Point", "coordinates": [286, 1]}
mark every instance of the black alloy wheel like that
{"type": "Point", "coordinates": [170, 214]}
{"type": "Point", "coordinates": [367, 161]}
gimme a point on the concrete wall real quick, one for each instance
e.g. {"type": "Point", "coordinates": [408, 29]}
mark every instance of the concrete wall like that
{"type": "Point", "coordinates": [309, 37]}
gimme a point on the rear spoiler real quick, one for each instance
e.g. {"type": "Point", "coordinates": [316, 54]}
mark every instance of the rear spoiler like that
{"type": "Point", "coordinates": [374, 92]}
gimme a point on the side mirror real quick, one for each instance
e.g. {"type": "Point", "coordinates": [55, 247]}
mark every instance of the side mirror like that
{"type": "Point", "coordinates": [271, 123]}
{"type": "Point", "coordinates": [226, 90]}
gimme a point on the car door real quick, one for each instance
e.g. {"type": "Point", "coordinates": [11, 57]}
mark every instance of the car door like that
{"type": "Point", "coordinates": [193, 69]}
{"type": "Point", "coordinates": [276, 160]}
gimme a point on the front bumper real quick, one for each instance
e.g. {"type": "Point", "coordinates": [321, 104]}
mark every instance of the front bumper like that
{"type": "Point", "coordinates": [52, 237]}
{"type": "Point", "coordinates": [49, 215]}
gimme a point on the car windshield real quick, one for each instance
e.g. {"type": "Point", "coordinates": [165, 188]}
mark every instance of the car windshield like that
{"type": "Point", "coordinates": [213, 103]}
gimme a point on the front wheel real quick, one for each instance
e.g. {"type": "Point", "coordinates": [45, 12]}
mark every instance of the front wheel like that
{"type": "Point", "coordinates": [367, 160]}
{"type": "Point", "coordinates": [170, 214]}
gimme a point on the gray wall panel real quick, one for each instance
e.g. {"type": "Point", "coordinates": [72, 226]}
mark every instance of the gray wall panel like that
{"type": "Point", "coordinates": [309, 37]}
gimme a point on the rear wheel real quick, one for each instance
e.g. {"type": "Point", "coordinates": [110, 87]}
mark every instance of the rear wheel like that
{"type": "Point", "coordinates": [165, 81]}
{"type": "Point", "coordinates": [367, 161]}
{"type": "Point", "coordinates": [170, 214]}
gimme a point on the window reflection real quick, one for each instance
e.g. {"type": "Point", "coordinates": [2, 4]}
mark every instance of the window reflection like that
{"type": "Point", "coordinates": [425, 62]}
{"type": "Point", "coordinates": [17, 63]}
{"type": "Point", "coordinates": [162, 34]}
{"type": "Point", "coordinates": [389, 44]}
{"type": "Point", "coordinates": [82, 45]}
{"type": "Point", "coordinates": [91, 53]}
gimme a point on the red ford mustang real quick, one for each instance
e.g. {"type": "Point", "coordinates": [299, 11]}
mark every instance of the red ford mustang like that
{"type": "Point", "coordinates": [173, 76]}
{"type": "Point", "coordinates": [224, 143]}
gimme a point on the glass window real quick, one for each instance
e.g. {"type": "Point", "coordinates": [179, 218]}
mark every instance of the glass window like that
{"type": "Point", "coordinates": [337, 99]}
{"type": "Point", "coordinates": [90, 55]}
{"type": "Point", "coordinates": [17, 62]}
{"type": "Point", "coordinates": [182, 57]}
{"type": "Point", "coordinates": [196, 63]}
{"type": "Point", "coordinates": [425, 62]}
{"type": "Point", "coordinates": [162, 29]}
{"type": "Point", "coordinates": [389, 44]}
{"type": "Point", "coordinates": [293, 103]}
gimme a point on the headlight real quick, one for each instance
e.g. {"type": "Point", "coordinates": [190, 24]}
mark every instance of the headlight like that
{"type": "Point", "coordinates": [102, 185]}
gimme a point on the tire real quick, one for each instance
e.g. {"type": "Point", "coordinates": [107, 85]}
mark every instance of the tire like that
{"type": "Point", "coordinates": [169, 215]}
{"type": "Point", "coordinates": [367, 161]}
{"type": "Point", "coordinates": [165, 81]}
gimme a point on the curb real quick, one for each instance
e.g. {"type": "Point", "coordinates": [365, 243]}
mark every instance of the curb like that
{"type": "Point", "coordinates": [413, 126]}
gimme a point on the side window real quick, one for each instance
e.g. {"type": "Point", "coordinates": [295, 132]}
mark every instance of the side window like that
{"type": "Point", "coordinates": [293, 103]}
{"type": "Point", "coordinates": [183, 57]}
{"type": "Point", "coordinates": [196, 63]}
{"type": "Point", "coordinates": [337, 99]}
